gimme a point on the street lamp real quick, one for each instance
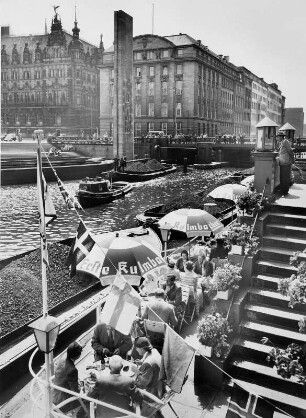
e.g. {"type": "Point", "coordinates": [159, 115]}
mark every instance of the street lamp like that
{"type": "Point", "coordinates": [266, 135]}
{"type": "Point", "coordinates": [165, 231]}
{"type": "Point", "coordinates": [46, 330]}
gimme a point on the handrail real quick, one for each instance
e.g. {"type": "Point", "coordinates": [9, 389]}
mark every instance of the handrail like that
{"type": "Point", "coordinates": [72, 393]}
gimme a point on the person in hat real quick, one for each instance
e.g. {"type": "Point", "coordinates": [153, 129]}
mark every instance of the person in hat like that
{"type": "Point", "coordinates": [116, 389]}
{"type": "Point", "coordinates": [148, 377]}
{"type": "Point", "coordinates": [66, 375]}
{"type": "Point", "coordinates": [286, 159]}
{"type": "Point", "coordinates": [107, 341]}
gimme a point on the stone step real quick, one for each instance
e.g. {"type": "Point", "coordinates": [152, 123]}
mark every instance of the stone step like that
{"type": "Point", "coordinates": [276, 316]}
{"type": "Point", "coordinates": [275, 268]}
{"type": "Point", "coordinates": [251, 349]}
{"type": "Point", "coordinates": [264, 374]}
{"type": "Point", "coordinates": [294, 244]}
{"type": "Point", "coordinates": [292, 210]}
{"type": "Point", "coordinates": [291, 404]}
{"type": "Point", "coordinates": [264, 281]}
{"type": "Point", "coordinates": [275, 254]}
{"type": "Point", "coordinates": [272, 298]}
{"type": "Point", "coordinates": [287, 219]}
{"type": "Point", "coordinates": [277, 335]}
{"type": "Point", "coordinates": [284, 230]}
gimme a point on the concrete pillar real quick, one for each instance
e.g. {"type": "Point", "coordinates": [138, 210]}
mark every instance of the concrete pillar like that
{"type": "Point", "coordinates": [123, 91]}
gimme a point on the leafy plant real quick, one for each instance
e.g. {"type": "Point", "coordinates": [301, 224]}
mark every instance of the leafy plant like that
{"type": "Point", "coordinates": [295, 285]}
{"type": "Point", "coordinates": [248, 201]}
{"type": "Point", "coordinates": [213, 330]}
{"type": "Point", "coordinates": [226, 277]}
{"type": "Point", "coordinates": [286, 361]}
{"type": "Point", "coordinates": [240, 234]}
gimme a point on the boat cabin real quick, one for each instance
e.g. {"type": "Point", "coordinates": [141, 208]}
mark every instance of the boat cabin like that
{"type": "Point", "coordinates": [95, 185]}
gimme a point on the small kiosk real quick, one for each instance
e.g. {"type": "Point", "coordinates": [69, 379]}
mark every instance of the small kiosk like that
{"type": "Point", "coordinates": [265, 157]}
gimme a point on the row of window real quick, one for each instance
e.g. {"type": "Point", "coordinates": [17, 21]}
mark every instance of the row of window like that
{"type": "Point", "coordinates": [28, 119]}
{"type": "Point", "coordinates": [153, 54]}
{"type": "Point", "coordinates": [151, 70]}
{"type": "Point", "coordinates": [164, 110]}
{"type": "Point", "coordinates": [57, 97]}
{"type": "Point", "coordinates": [51, 73]}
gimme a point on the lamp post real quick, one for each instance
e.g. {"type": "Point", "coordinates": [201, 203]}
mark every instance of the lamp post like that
{"type": "Point", "coordinates": [46, 330]}
{"type": "Point", "coordinates": [165, 234]}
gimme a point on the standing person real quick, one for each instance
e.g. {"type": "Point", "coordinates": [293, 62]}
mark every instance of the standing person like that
{"type": "Point", "coordinates": [115, 389]}
{"type": "Point", "coordinates": [121, 164]}
{"type": "Point", "coordinates": [286, 159]}
{"type": "Point", "coordinates": [116, 163]}
{"type": "Point", "coordinates": [66, 375]}
{"type": "Point", "coordinates": [198, 266]}
{"type": "Point", "coordinates": [107, 341]}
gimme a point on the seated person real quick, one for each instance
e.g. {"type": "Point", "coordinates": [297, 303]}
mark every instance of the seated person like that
{"type": "Point", "coordinates": [220, 251]}
{"type": "Point", "coordinates": [107, 341]}
{"type": "Point", "coordinates": [172, 269]}
{"type": "Point", "coordinates": [198, 266]}
{"type": "Point", "coordinates": [180, 264]}
{"type": "Point", "coordinates": [66, 375]}
{"type": "Point", "coordinates": [116, 389]}
{"type": "Point", "coordinates": [190, 279]}
{"type": "Point", "coordinates": [208, 267]}
{"type": "Point", "coordinates": [174, 294]}
{"type": "Point", "coordinates": [148, 377]}
{"type": "Point", "coordinates": [160, 311]}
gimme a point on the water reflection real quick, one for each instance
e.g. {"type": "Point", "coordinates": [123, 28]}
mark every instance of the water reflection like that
{"type": "Point", "coordinates": [19, 216]}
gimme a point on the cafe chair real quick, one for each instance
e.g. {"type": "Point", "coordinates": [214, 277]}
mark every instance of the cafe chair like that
{"type": "Point", "coordinates": [151, 404]}
{"type": "Point", "coordinates": [152, 331]}
{"type": "Point", "coordinates": [184, 303]}
{"type": "Point", "coordinates": [190, 305]}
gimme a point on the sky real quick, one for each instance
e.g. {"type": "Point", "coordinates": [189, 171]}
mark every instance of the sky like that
{"type": "Point", "coordinates": [266, 36]}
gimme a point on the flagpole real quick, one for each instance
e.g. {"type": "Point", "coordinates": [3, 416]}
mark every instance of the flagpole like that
{"type": "Point", "coordinates": [43, 248]}
{"type": "Point", "coordinates": [43, 236]}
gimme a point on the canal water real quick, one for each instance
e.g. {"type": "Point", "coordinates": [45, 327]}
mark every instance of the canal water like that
{"type": "Point", "coordinates": [19, 215]}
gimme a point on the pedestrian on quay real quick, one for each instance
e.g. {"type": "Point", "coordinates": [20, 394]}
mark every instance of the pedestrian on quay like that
{"type": "Point", "coordinates": [286, 159]}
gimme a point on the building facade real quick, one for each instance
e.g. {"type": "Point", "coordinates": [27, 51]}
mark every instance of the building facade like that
{"type": "Point", "coordinates": [179, 86]}
{"type": "Point", "coordinates": [49, 82]}
{"type": "Point", "coordinates": [295, 116]}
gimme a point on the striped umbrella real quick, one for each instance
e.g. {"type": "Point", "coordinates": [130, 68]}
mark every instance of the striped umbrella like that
{"type": "Point", "coordinates": [194, 222]}
{"type": "Point", "coordinates": [228, 192]}
{"type": "Point", "coordinates": [132, 258]}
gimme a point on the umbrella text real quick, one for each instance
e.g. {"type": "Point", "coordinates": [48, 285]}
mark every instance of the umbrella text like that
{"type": "Point", "coordinates": [150, 264]}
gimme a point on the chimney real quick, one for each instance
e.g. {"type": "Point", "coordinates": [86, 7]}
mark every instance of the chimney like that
{"type": "Point", "coordinates": [226, 57]}
{"type": "Point", "coordinates": [5, 31]}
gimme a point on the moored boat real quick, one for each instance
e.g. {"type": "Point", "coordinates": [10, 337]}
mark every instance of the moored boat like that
{"type": "Point", "coordinates": [136, 176]}
{"type": "Point", "coordinates": [96, 191]}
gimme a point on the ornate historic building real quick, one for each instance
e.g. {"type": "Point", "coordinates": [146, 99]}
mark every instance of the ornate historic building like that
{"type": "Point", "coordinates": [49, 82]}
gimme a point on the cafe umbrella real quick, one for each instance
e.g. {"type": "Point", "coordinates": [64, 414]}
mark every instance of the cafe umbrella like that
{"type": "Point", "coordinates": [133, 258]}
{"type": "Point", "coordinates": [193, 222]}
{"type": "Point", "coordinates": [228, 192]}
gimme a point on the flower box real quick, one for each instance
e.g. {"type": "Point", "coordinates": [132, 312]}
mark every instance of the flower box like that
{"type": "Point", "coordinates": [205, 350]}
{"type": "Point", "coordinates": [224, 294]}
{"type": "Point", "coordinates": [237, 249]}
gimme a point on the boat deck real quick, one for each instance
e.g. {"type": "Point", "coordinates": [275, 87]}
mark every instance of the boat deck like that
{"type": "Point", "coordinates": [196, 400]}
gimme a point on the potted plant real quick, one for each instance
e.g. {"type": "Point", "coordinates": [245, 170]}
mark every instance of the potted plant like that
{"type": "Point", "coordinates": [225, 279]}
{"type": "Point", "coordinates": [241, 240]}
{"type": "Point", "coordinates": [287, 361]}
{"type": "Point", "coordinates": [212, 332]}
{"type": "Point", "coordinates": [295, 285]}
{"type": "Point", "coordinates": [249, 201]}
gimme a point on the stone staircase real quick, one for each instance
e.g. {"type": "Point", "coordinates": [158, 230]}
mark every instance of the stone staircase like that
{"type": "Point", "coordinates": [265, 313]}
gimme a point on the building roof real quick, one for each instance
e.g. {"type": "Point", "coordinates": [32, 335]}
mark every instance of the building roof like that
{"type": "Point", "coordinates": [181, 39]}
{"type": "Point", "coordinates": [266, 122]}
{"type": "Point", "coordinates": [287, 127]}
